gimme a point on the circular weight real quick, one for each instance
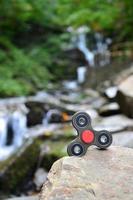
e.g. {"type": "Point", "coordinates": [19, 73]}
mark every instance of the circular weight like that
{"type": "Point", "coordinates": [76, 149]}
{"type": "Point", "coordinates": [87, 136]}
{"type": "Point", "coordinates": [81, 120]}
{"type": "Point", "coordinates": [104, 139]}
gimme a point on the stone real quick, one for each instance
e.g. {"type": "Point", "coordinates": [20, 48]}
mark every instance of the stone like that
{"type": "Point", "coordinates": [25, 198]}
{"type": "Point", "coordinates": [40, 177]}
{"type": "Point", "coordinates": [99, 175]}
{"type": "Point", "coordinates": [124, 139]}
{"type": "Point", "coordinates": [109, 109]}
{"type": "Point", "coordinates": [124, 74]}
{"type": "Point", "coordinates": [36, 113]}
{"type": "Point", "coordinates": [114, 124]}
{"type": "Point", "coordinates": [111, 92]}
{"type": "Point", "coordinates": [14, 170]}
{"type": "Point", "coordinates": [125, 96]}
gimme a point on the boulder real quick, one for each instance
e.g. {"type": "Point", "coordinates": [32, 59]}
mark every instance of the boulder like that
{"type": "Point", "coordinates": [124, 139]}
{"type": "Point", "coordinates": [125, 96]}
{"type": "Point", "coordinates": [99, 175]}
{"type": "Point", "coordinates": [111, 92]}
{"type": "Point", "coordinates": [109, 109]}
{"type": "Point", "coordinates": [114, 124]}
{"type": "Point", "coordinates": [25, 198]}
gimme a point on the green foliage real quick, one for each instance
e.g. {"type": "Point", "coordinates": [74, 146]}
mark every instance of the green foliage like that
{"type": "Point", "coordinates": [96, 14]}
{"type": "Point", "coordinates": [35, 37]}
{"type": "Point", "coordinates": [20, 75]}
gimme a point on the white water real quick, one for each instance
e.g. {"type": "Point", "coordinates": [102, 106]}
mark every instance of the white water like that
{"type": "Point", "coordinates": [3, 129]}
{"type": "Point", "coordinates": [70, 85]}
{"type": "Point", "coordinates": [19, 126]}
{"type": "Point", "coordinates": [89, 55]}
{"type": "Point", "coordinates": [81, 73]}
{"type": "Point", "coordinates": [18, 122]}
{"type": "Point", "coordinates": [48, 116]}
{"type": "Point", "coordinates": [79, 40]}
{"type": "Point", "coordinates": [102, 49]}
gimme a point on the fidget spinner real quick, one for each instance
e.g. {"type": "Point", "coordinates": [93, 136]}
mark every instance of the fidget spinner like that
{"type": "Point", "coordinates": [87, 136]}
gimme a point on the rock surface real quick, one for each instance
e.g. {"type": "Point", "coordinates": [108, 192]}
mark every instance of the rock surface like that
{"type": "Point", "coordinates": [109, 109]}
{"type": "Point", "coordinates": [124, 139]}
{"type": "Point", "coordinates": [25, 198]}
{"type": "Point", "coordinates": [99, 175]}
{"type": "Point", "coordinates": [114, 124]}
{"type": "Point", "coordinates": [125, 96]}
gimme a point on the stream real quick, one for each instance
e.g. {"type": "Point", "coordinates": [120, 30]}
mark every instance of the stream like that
{"type": "Point", "coordinates": [35, 130]}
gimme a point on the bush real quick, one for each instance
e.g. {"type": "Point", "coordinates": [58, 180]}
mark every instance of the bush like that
{"type": "Point", "coordinates": [20, 74]}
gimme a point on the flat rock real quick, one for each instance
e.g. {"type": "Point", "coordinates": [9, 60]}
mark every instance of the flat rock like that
{"type": "Point", "coordinates": [125, 96]}
{"type": "Point", "coordinates": [99, 175]}
{"type": "Point", "coordinates": [114, 124]}
{"type": "Point", "coordinates": [109, 109]}
{"type": "Point", "coordinates": [124, 139]}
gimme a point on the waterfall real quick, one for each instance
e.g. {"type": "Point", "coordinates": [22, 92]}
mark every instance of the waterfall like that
{"type": "Point", "coordinates": [81, 73]}
{"type": "Point", "coordinates": [12, 130]}
{"type": "Point", "coordinates": [102, 49]}
{"type": "Point", "coordinates": [53, 115]}
{"type": "Point", "coordinates": [19, 126]}
{"type": "Point", "coordinates": [3, 129]}
{"type": "Point", "coordinates": [89, 55]}
{"type": "Point", "coordinates": [79, 39]}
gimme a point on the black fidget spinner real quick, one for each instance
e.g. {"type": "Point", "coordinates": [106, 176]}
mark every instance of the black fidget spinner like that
{"type": "Point", "coordinates": [87, 136]}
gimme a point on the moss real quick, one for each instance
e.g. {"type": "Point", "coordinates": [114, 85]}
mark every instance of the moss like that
{"type": "Point", "coordinates": [21, 166]}
{"type": "Point", "coordinates": [57, 150]}
{"type": "Point", "coordinates": [17, 168]}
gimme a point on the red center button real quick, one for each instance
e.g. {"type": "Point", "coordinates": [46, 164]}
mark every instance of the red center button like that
{"type": "Point", "coordinates": [87, 136]}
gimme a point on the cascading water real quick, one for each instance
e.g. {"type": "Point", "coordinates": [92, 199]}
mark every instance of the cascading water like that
{"type": "Point", "coordinates": [53, 115]}
{"type": "Point", "coordinates": [81, 73]}
{"type": "Point", "coordinates": [81, 44]}
{"type": "Point", "coordinates": [3, 128]}
{"type": "Point", "coordinates": [13, 126]}
{"type": "Point", "coordinates": [79, 40]}
{"type": "Point", "coordinates": [102, 49]}
{"type": "Point", "coordinates": [19, 126]}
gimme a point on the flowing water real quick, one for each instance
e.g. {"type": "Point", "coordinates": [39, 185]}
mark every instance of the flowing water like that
{"type": "Point", "coordinates": [13, 121]}
{"type": "Point", "coordinates": [83, 41]}
{"type": "Point", "coordinates": [13, 126]}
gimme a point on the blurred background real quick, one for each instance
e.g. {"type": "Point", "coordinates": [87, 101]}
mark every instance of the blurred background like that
{"type": "Point", "coordinates": [56, 58]}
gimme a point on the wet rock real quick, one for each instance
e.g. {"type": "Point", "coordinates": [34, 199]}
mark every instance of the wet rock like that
{"type": "Point", "coordinates": [125, 96]}
{"type": "Point", "coordinates": [52, 116]}
{"type": "Point", "coordinates": [36, 113]}
{"type": "Point", "coordinates": [52, 151]}
{"type": "Point", "coordinates": [99, 175]}
{"type": "Point", "coordinates": [109, 109]}
{"type": "Point", "coordinates": [124, 74]}
{"type": "Point", "coordinates": [124, 139]}
{"type": "Point", "coordinates": [61, 130]}
{"type": "Point", "coordinates": [114, 124]}
{"type": "Point", "coordinates": [94, 99]}
{"type": "Point", "coordinates": [16, 169]}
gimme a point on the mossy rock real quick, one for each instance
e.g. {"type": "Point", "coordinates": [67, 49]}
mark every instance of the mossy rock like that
{"type": "Point", "coordinates": [19, 169]}
{"type": "Point", "coordinates": [56, 150]}
{"type": "Point", "coordinates": [14, 170]}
